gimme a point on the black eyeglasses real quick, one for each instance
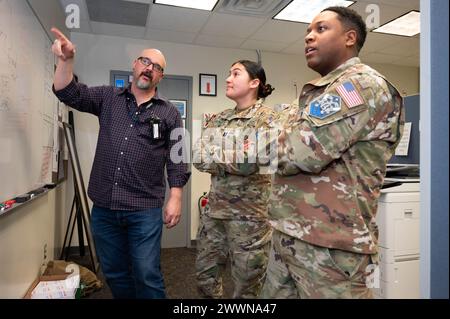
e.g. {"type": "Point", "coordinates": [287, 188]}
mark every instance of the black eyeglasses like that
{"type": "Point", "coordinates": [147, 62]}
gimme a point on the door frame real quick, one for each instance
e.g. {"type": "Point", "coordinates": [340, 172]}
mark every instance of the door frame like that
{"type": "Point", "coordinates": [188, 121]}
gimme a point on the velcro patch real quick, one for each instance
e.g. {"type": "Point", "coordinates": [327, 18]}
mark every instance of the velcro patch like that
{"type": "Point", "coordinates": [325, 106]}
{"type": "Point", "coordinates": [349, 94]}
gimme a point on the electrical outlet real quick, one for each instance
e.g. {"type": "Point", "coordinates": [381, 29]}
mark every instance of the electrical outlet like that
{"type": "Point", "coordinates": [294, 84]}
{"type": "Point", "coordinates": [45, 252]}
{"type": "Point", "coordinates": [44, 261]}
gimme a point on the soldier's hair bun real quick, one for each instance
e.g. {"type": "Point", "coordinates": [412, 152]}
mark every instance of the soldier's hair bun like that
{"type": "Point", "coordinates": [265, 90]}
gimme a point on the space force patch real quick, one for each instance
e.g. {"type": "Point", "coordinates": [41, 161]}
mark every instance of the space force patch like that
{"type": "Point", "coordinates": [325, 106]}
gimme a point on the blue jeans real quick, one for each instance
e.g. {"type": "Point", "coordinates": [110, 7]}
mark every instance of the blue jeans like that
{"type": "Point", "coordinates": [129, 248]}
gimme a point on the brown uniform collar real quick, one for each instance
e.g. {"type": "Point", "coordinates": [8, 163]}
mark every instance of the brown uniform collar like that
{"type": "Point", "coordinates": [335, 74]}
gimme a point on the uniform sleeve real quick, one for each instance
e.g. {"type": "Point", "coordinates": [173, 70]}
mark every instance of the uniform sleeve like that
{"type": "Point", "coordinates": [242, 151]}
{"type": "Point", "coordinates": [253, 147]}
{"type": "Point", "coordinates": [205, 150]}
{"type": "Point", "coordinates": [330, 124]}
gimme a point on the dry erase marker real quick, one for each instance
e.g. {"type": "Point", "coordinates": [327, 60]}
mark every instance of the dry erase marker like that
{"type": "Point", "coordinates": [5, 206]}
{"type": "Point", "coordinates": [22, 198]}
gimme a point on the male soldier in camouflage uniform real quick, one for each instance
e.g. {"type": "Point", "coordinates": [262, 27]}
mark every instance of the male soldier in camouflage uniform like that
{"type": "Point", "coordinates": [333, 154]}
{"type": "Point", "coordinates": [235, 220]}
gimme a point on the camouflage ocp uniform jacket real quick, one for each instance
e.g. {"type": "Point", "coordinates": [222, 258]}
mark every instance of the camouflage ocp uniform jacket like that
{"type": "Point", "coordinates": [239, 190]}
{"type": "Point", "coordinates": [338, 140]}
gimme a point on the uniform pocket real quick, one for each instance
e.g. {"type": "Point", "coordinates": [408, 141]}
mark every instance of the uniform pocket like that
{"type": "Point", "coordinates": [348, 263]}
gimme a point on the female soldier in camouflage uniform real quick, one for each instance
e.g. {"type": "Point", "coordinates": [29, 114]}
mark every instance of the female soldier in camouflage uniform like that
{"type": "Point", "coordinates": [234, 222]}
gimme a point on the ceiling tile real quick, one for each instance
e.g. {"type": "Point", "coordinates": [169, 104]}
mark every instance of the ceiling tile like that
{"type": "Point", "coordinates": [413, 4]}
{"type": "Point", "coordinates": [280, 31]}
{"type": "Point", "coordinates": [170, 36]}
{"type": "Point", "coordinates": [84, 15]}
{"type": "Point", "coordinates": [118, 11]}
{"type": "Point", "coordinates": [218, 41]}
{"type": "Point", "coordinates": [263, 45]}
{"type": "Point", "coordinates": [254, 8]}
{"type": "Point", "coordinates": [376, 42]}
{"type": "Point", "coordinates": [177, 19]}
{"type": "Point", "coordinates": [141, 1]}
{"type": "Point", "coordinates": [230, 25]}
{"type": "Point", "coordinates": [118, 30]}
{"type": "Point", "coordinates": [404, 47]}
{"type": "Point", "coordinates": [387, 12]}
{"type": "Point", "coordinates": [85, 27]}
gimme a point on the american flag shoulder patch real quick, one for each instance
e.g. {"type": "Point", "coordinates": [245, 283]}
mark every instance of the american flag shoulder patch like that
{"type": "Point", "coordinates": [349, 94]}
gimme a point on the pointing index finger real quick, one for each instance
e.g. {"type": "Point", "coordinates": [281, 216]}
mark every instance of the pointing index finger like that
{"type": "Point", "coordinates": [58, 34]}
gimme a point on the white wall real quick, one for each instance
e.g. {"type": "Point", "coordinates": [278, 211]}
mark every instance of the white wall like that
{"type": "Point", "coordinates": [405, 79]}
{"type": "Point", "coordinates": [25, 234]}
{"type": "Point", "coordinates": [97, 55]}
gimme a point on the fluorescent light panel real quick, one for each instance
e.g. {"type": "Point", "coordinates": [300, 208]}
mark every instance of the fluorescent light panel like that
{"type": "Point", "coordinates": [305, 10]}
{"type": "Point", "coordinates": [193, 4]}
{"type": "Point", "coordinates": [406, 25]}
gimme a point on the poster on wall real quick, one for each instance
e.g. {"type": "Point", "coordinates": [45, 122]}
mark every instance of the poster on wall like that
{"type": "Point", "coordinates": [208, 84]}
{"type": "Point", "coordinates": [181, 106]}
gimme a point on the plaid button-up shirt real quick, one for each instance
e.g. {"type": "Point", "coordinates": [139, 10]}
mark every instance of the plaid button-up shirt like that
{"type": "Point", "coordinates": [128, 169]}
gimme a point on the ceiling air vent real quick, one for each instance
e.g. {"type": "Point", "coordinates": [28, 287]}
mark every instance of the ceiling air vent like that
{"type": "Point", "coordinates": [255, 8]}
{"type": "Point", "coordinates": [117, 11]}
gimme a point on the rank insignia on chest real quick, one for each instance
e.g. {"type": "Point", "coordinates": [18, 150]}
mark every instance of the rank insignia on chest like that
{"type": "Point", "coordinates": [325, 106]}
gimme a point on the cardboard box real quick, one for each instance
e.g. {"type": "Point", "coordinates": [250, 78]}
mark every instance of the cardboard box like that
{"type": "Point", "coordinates": [54, 278]}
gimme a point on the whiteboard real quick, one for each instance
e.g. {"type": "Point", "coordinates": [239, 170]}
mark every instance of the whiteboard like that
{"type": "Point", "coordinates": [27, 104]}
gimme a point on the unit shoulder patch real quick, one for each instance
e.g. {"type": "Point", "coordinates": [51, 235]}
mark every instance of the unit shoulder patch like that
{"type": "Point", "coordinates": [325, 106]}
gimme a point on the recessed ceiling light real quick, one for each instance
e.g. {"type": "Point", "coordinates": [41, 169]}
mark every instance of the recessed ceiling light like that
{"type": "Point", "coordinates": [305, 10]}
{"type": "Point", "coordinates": [193, 4]}
{"type": "Point", "coordinates": [406, 25]}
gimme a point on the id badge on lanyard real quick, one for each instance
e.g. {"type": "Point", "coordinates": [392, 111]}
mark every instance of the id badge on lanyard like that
{"type": "Point", "coordinates": [155, 128]}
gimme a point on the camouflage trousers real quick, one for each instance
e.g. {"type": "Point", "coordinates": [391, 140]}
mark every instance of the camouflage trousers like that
{"type": "Point", "coordinates": [247, 243]}
{"type": "Point", "coordinates": [297, 269]}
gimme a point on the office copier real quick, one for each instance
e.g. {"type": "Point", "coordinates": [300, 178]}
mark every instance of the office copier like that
{"type": "Point", "coordinates": [398, 219]}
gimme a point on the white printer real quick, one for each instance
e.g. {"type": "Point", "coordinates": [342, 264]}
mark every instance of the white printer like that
{"type": "Point", "coordinates": [398, 219]}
